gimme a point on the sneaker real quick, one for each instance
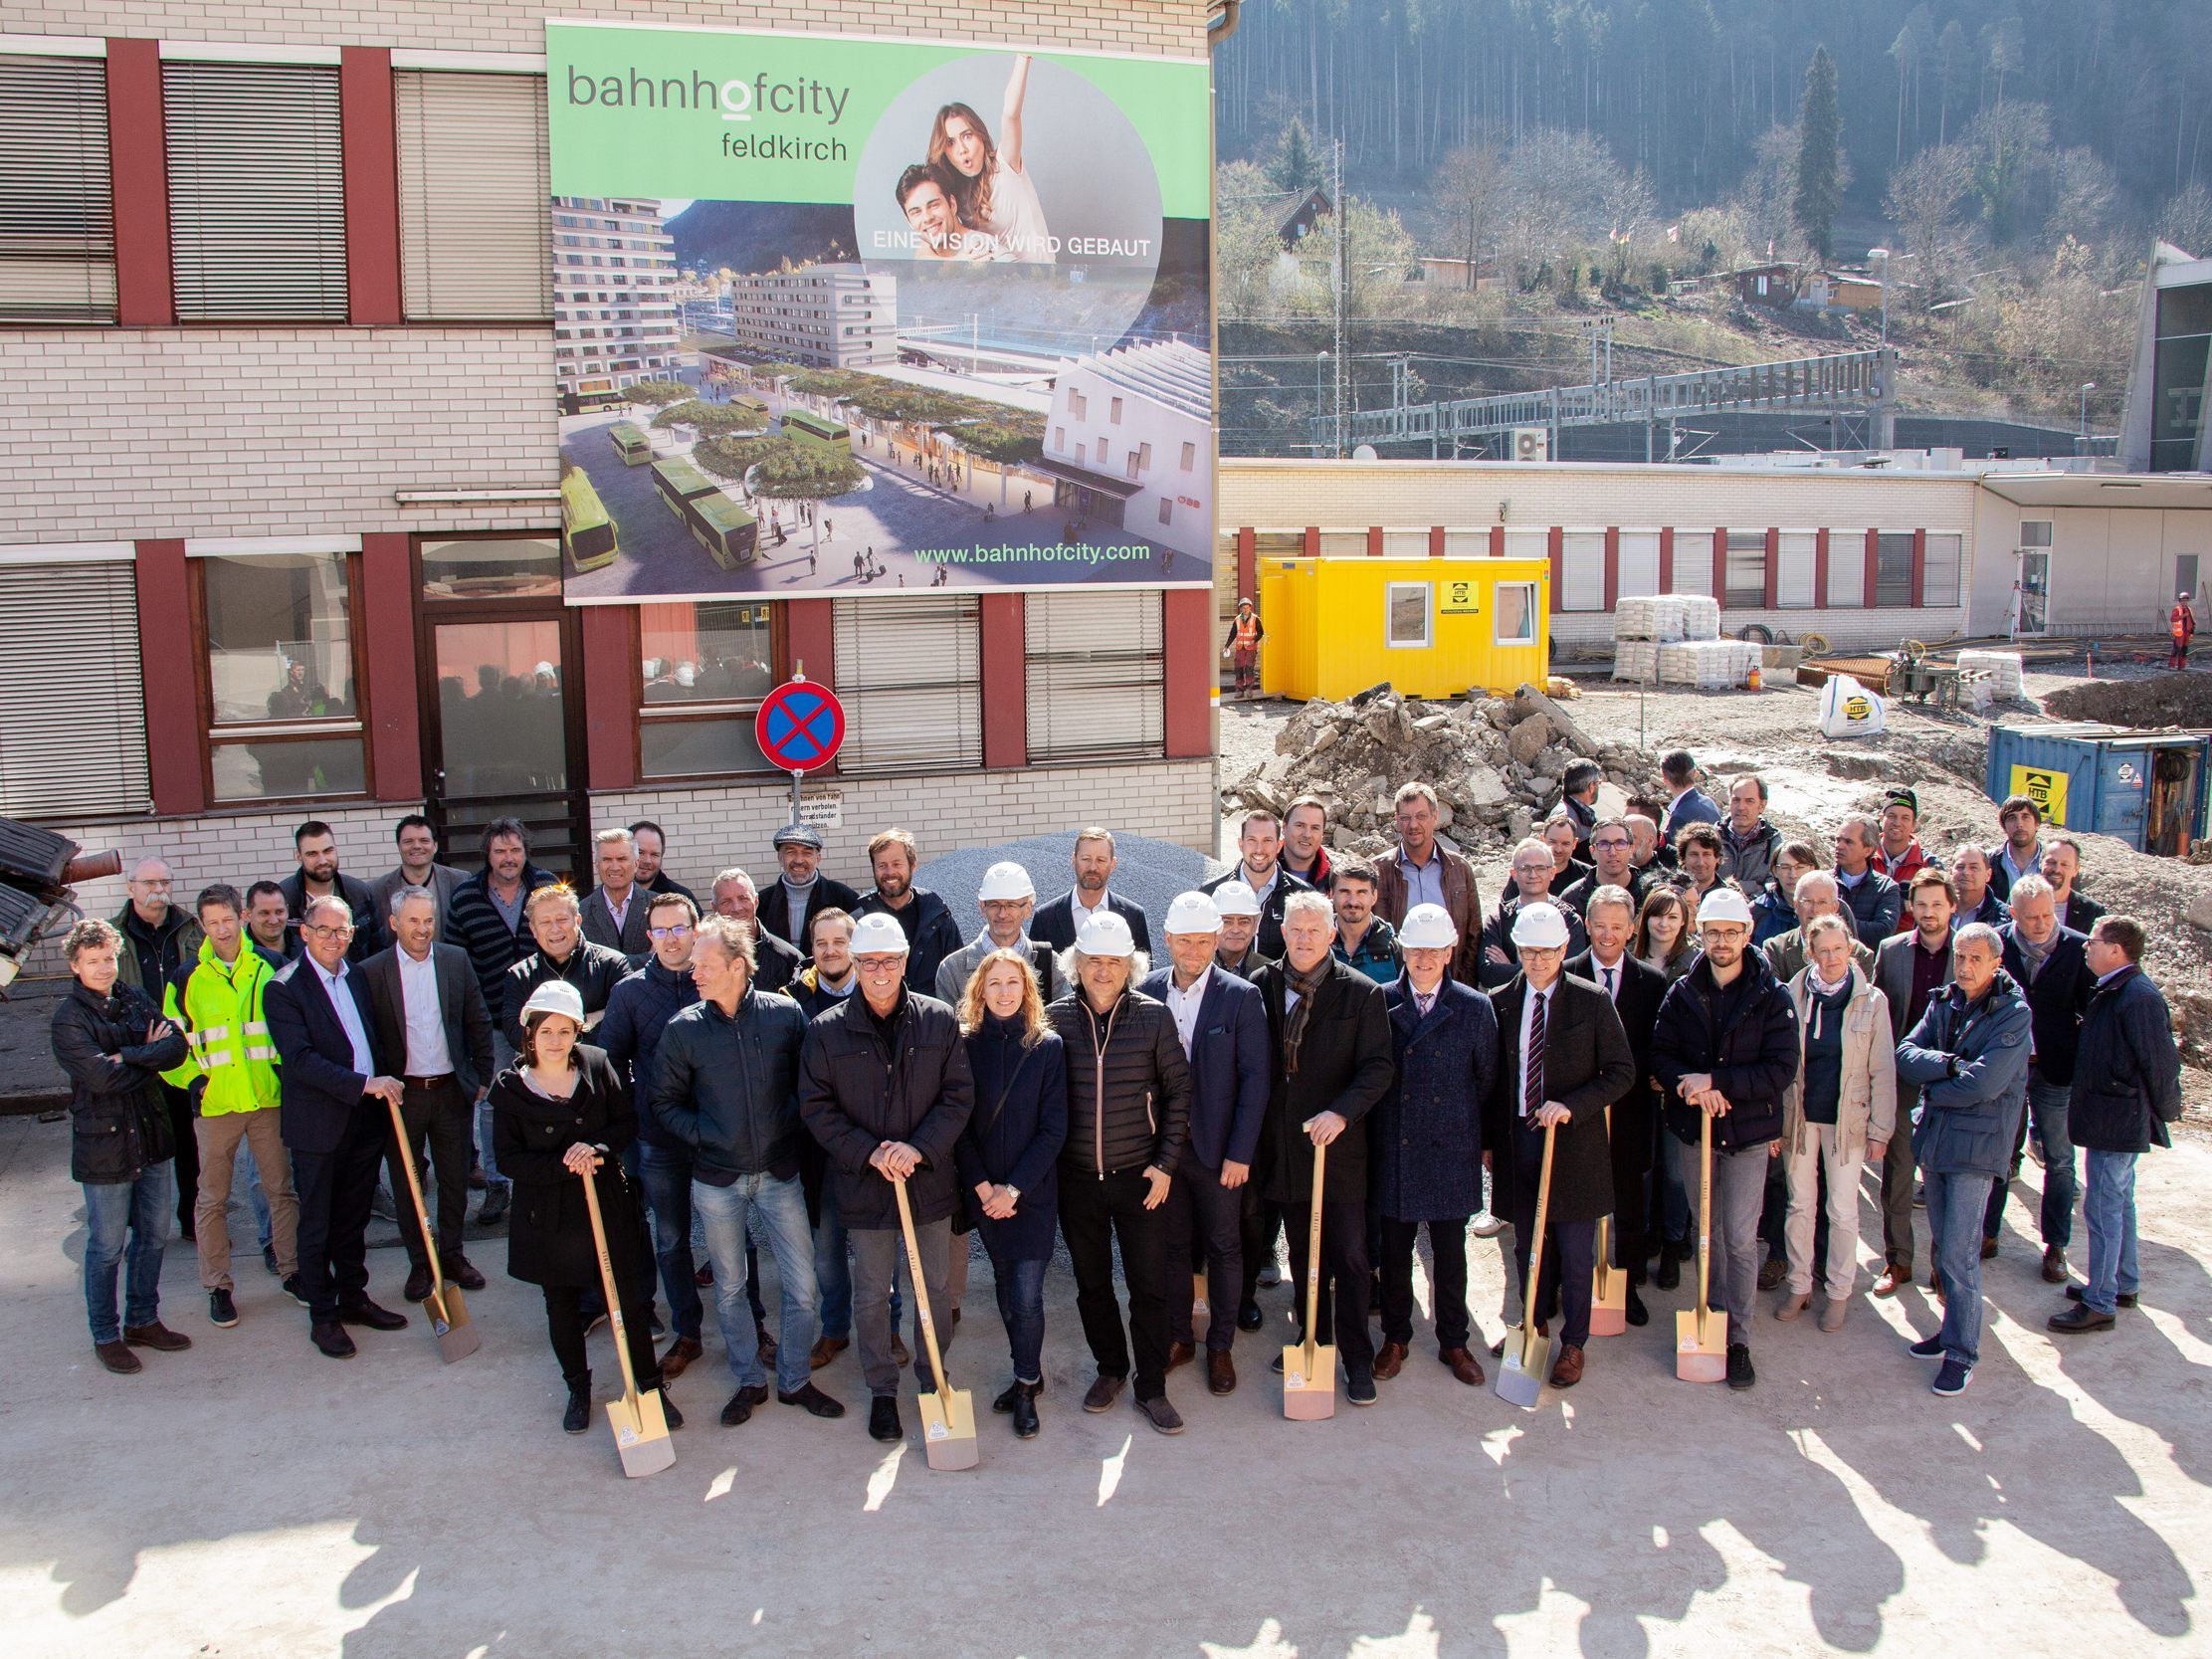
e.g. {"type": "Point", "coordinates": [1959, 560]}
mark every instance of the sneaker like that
{"type": "Point", "coordinates": [296, 1288]}
{"type": "Point", "coordinates": [1360, 1389]}
{"type": "Point", "coordinates": [1487, 1225]}
{"type": "Point", "coordinates": [1928, 1348]}
{"type": "Point", "coordinates": [269, 1260]}
{"type": "Point", "coordinates": [1772, 1273]}
{"type": "Point", "coordinates": [1160, 1414]}
{"type": "Point", "coordinates": [2125, 1298]}
{"type": "Point", "coordinates": [594, 1323]}
{"type": "Point", "coordinates": [495, 1206]}
{"type": "Point", "coordinates": [1740, 1374]}
{"type": "Point", "coordinates": [669, 1415]}
{"type": "Point", "coordinates": [221, 1311]}
{"type": "Point", "coordinates": [1952, 1378]}
{"type": "Point", "coordinates": [1102, 1393]}
{"type": "Point", "coordinates": [578, 1417]}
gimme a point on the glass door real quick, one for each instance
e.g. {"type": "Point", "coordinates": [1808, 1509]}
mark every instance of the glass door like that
{"type": "Point", "coordinates": [2034, 618]}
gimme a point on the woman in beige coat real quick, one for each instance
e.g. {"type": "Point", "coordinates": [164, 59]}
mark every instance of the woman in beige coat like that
{"type": "Point", "coordinates": [1837, 1115]}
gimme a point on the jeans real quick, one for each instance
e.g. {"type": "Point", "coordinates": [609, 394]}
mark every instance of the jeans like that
{"type": "Point", "coordinates": [1896, 1184]}
{"type": "Point", "coordinates": [2108, 1206]}
{"type": "Point", "coordinates": [1021, 1304]}
{"type": "Point", "coordinates": [1954, 1208]}
{"type": "Point", "coordinates": [1676, 1177]}
{"type": "Point", "coordinates": [1733, 1264]}
{"type": "Point", "coordinates": [2047, 1114]}
{"type": "Point", "coordinates": [776, 1209]}
{"type": "Point", "coordinates": [503, 1056]}
{"type": "Point", "coordinates": [137, 1209]}
{"type": "Point", "coordinates": [876, 1255]}
{"type": "Point", "coordinates": [666, 1174]}
{"type": "Point", "coordinates": [1447, 1281]}
{"type": "Point", "coordinates": [833, 1274]}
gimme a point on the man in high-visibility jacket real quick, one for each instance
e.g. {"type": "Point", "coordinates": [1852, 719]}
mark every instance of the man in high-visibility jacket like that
{"type": "Point", "coordinates": [1242, 647]}
{"type": "Point", "coordinates": [2181, 626]}
{"type": "Point", "coordinates": [216, 1002]}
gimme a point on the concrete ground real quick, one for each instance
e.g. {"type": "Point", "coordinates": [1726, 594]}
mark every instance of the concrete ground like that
{"type": "Point", "coordinates": [252, 1498]}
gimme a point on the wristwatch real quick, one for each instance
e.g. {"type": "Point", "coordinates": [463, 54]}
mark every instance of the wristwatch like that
{"type": "Point", "coordinates": [1014, 1194]}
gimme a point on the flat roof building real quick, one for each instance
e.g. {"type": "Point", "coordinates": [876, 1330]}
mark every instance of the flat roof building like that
{"type": "Point", "coordinates": [824, 316]}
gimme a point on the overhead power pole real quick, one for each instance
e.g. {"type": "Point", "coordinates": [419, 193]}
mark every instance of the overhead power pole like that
{"type": "Point", "coordinates": [1344, 287]}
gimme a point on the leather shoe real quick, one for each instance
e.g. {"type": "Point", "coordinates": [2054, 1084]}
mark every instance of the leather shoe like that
{"type": "Point", "coordinates": [1892, 1280]}
{"type": "Point", "coordinates": [1567, 1370]}
{"type": "Point", "coordinates": [1390, 1359]}
{"type": "Point", "coordinates": [1637, 1314]}
{"type": "Point", "coordinates": [817, 1403]}
{"type": "Point", "coordinates": [1249, 1317]}
{"type": "Point", "coordinates": [1669, 1276]}
{"type": "Point", "coordinates": [2054, 1265]}
{"type": "Point", "coordinates": [765, 1343]}
{"type": "Point", "coordinates": [1025, 1410]}
{"type": "Point", "coordinates": [702, 1274]}
{"type": "Point", "coordinates": [899, 1354]}
{"type": "Point", "coordinates": [1988, 1249]}
{"type": "Point", "coordinates": [461, 1270]}
{"type": "Point", "coordinates": [1771, 1274]}
{"type": "Point", "coordinates": [418, 1283]}
{"type": "Point", "coordinates": [739, 1408]}
{"type": "Point", "coordinates": [1498, 1349]}
{"type": "Point", "coordinates": [678, 1359]}
{"type": "Point", "coordinates": [157, 1336]}
{"type": "Point", "coordinates": [1102, 1394]}
{"type": "Point", "coordinates": [1006, 1398]}
{"type": "Point", "coordinates": [2079, 1317]}
{"type": "Point", "coordinates": [1181, 1354]}
{"type": "Point", "coordinates": [824, 1349]}
{"type": "Point", "coordinates": [1463, 1366]}
{"type": "Point", "coordinates": [330, 1335]}
{"type": "Point", "coordinates": [365, 1312]}
{"type": "Point", "coordinates": [1221, 1371]}
{"type": "Point", "coordinates": [1160, 1414]}
{"type": "Point", "coordinates": [118, 1358]}
{"type": "Point", "coordinates": [883, 1419]}
{"type": "Point", "coordinates": [2125, 1299]}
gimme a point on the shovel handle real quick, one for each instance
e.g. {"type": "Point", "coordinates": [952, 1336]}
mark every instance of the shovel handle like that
{"type": "Point", "coordinates": [1536, 1250]}
{"type": "Point", "coordinates": [921, 1285]}
{"type": "Point", "coordinates": [1605, 1224]}
{"type": "Point", "coordinates": [1705, 1216]}
{"type": "Point", "coordinates": [607, 1284]}
{"type": "Point", "coordinates": [1313, 1261]}
{"type": "Point", "coordinates": [415, 1191]}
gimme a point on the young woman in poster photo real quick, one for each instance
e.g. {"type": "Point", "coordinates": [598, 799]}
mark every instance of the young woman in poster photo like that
{"type": "Point", "coordinates": [992, 190]}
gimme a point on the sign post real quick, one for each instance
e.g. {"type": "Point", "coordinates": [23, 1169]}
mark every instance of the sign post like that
{"type": "Point", "coordinates": [800, 727]}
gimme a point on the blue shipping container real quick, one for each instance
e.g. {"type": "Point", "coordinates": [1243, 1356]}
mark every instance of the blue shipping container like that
{"type": "Point", "coordinates": [2148, 788]}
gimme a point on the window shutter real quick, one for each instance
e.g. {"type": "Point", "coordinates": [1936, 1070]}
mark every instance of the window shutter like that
{"type": "Point", "coordinates": [1797, 555]}
{"type": "Point", "coordinates": [909, 674]}
{"type": "Point", "coordinates": [57, 211]}
{"type": "Point", "coordinates": [1582, 570]}
{"type": "Point", "coordinates": [474, 194]}
{"type": "Point", "coordinates": [256, 192]}
{"type": "Point", "coordinates": [1693, 561]}
{"type": "Point", "coordinates": [73, 726]}
{"type": "Point", "coordinates": [1639, 575]}
{"type": "Point", "coordinates": [1939, 582]}
{"type": "Point", "coordinates": [1095, 668]}
{"type": "Point", "coordinates": [1847, 569]}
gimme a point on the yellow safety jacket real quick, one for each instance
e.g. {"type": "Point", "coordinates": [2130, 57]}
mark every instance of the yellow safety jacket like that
{"type": "Point", "coordinates": [220, 1014]}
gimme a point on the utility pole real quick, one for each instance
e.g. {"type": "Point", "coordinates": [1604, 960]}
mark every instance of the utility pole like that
{"type": "Point", "coordinates": [1343, 284]}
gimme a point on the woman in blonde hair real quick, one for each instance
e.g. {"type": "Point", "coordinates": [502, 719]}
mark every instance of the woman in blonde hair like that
{"type": "Point", "coordinates": [992, 187]}
{"type": "Point", "coordinates": [1009, 1155]}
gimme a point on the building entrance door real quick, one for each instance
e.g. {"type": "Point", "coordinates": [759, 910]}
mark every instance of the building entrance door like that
{"type": "Point", "coordinates": [2034, 618]}
{"type": "Point", "coordinates": [501, 731]}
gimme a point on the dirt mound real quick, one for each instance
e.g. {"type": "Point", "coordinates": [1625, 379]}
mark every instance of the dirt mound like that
{"type": "Point", "coordinates": [2183, 699]}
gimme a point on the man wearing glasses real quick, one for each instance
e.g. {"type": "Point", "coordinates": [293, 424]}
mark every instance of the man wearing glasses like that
{"type": "Point", "coordinates": [638, 1011]}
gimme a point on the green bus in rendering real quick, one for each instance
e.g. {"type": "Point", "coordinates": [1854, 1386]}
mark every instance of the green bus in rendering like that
{"type": "Point", "coordinates": [675, 481]}
{"type": "Point", "coordinates": [585, 529]}
{"type": "Point", "coordinates": [814, 429]}
{"type": "Point", "coordinates": [631, 443]}
{"type": "Point", "coordinates": [726, 531]}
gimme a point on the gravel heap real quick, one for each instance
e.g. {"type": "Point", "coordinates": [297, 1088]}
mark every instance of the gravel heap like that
{"type": "Point", "coordinates": [1495, 763]}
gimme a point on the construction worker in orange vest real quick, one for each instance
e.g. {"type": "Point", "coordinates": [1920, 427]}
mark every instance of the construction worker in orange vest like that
{"type": "Point", "coordinates": [2181, 623]}
{"type": "Point", "coordinates": [1242, 646]}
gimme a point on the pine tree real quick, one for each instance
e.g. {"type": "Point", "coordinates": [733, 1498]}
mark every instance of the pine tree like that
{"type": "Point", "coordinates": [1295, 166]}
{"type": "Point", "coordinates": [1819, 129]}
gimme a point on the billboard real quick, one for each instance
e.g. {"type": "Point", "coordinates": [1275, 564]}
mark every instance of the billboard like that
{"type": "Point", "coordinates": [846, 315]}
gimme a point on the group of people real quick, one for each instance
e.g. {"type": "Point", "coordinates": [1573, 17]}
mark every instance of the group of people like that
{"type": "Point", "coordinates": [1369, 1035]}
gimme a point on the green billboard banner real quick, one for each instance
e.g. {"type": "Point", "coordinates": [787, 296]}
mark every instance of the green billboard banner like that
{"type": "Point", "coordinates": [853, 316]}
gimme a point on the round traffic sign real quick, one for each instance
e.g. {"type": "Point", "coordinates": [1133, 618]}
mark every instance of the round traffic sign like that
{"type": "Point", "coordinates": [800, 726]}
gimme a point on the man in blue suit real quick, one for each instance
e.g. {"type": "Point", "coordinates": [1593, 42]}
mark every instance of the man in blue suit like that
{"type": "Point", "coordinates": [333, 1095]}
{"type": "Point", "coordinates": [1223, 1026]}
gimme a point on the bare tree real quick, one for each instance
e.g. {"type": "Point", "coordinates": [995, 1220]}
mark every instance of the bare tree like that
{"type": "Point", "coordinates": [1927, 196]}
{"type": "Point", "coordinates": [1472, 186]}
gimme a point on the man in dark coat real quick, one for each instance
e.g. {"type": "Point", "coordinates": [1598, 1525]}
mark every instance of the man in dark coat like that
{"type": "Point", "coordinates": [1058, 920]}
{"type": "Point", "coordinates": [562, 953]}
{"type": "Point", "coordinates": [1910, 970]}
{"type": "Point", "coordinates": [1129, 1112]}
{"type": "Point", "coordinates": [318, 876]}
{"type": "Point", "coordinates": [1876, 903]}
{"type": "Point", "coordinates": [1725, 1048]}
{"type": "Point", "coordinates": [2126, 1090]}
{"type": "Point", "coordinates": [1563, 1058]}
{"type": "Point", "coordinates": [1223, 1029]}
{"type": "Point", "coordinates": [1636, 990]}
{"type": "Point", "coordinates": [2062, 867]}
{"type": "Point", "coordinates": [614, 911]}
{"type": "Point", "coordinates": [924, 917]}
{"type": "Point", "coordinates": [336, 1087]}
{"type": "Point", "coordinates": [885, 1087]}
{"type": "Point", "coordinates": [1427, 1141]}
{"type": "Point", "coordinates": [1259, 868]}
{"type": "Point", "coordinates": [776, 963]}
{"type": "Point", "coordinates": [1329, 1032]}
{"type": "Point", "coordinates": [789, 907]}
{"type": "Point", "coordinates": [161, 940]}
{"type": "Point", "coordinates": [1533, 866]}
{"type": "Point", "coordinates": [2049, 963]}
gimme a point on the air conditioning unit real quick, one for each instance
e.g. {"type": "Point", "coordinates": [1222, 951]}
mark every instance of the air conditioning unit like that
{"type": "Point", "coordinates": [1532, 443]}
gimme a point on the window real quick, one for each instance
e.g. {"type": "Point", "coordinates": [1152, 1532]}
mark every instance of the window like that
{"type": "Point", "coordinates": [1190, 457]}
{"type": "Point", "coordinates": [1474, 543]}
{"type": "Point", "coordinates": [1582, 570]}
{"type": "Point", "coordinates": [1528, 544]}
{"type": "Point", "coordinates": [1693, 561]}
{"type": "Point", "coordinates": [72, 729]}
{"type": "Point", "coordinates": [909, 673]}
{"type": "Point", "coordinates": [473, 196]}
{"type": "Point", "coordinates": [1515, 609]}
{"type": "Point", "coordinates": [1344, 543]}
{"type": "Point", "coordinates": [1893, 569]}
{"type": "Point", "coordinates": [1096, 671]}
{"type": "Point", "coordinates": [2034, 533]}
{"type": "Point", "coordinates": [2185, 573]}
{"type": "Point", "coordinates": [1114, 412]}
{"type": "Point", "coordinates": [257, 196]}
{"type": "Point", "coordinates": [1747, 570]}
{"type": "Point", "coordinates": [1060, 439]}
{"type": "Point", "coordinates": [57, 216]}
{"type": "Point", "coordinates": [1102, 455]}
{"type": "Point", "coordinates": [1130, 470]}
{"type": "Point", "coordinates": [1639, 573]}
{"type": "Point", "coordinates": [284, 715]}
{"type": "Point", "coordinates": [706, 668]}
{"type": "Point", "coordinates": [1847, 569]}
{"type": "Point", "coordinates": [493, 567]}
{"type": "Point", "coordinates": [1405, 612]}
{"type": "Point", "coordinates": [1939, 581]}
{"type": "Point", "coordinates": [1167, 510]}
{"type": "Point", "coordinates": [1797, 557]}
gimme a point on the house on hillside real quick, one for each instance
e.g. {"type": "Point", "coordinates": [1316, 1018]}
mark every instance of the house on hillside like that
{"type": "Point", "coordinates": [1301, 214]}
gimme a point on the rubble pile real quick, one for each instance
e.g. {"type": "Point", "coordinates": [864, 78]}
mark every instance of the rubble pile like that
{"type": "Point", "coordinates": [1496, 763]}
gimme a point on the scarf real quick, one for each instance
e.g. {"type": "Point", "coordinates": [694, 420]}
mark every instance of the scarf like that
{"type": "Point", "coordinates": [1306, 985]}
{"type": "Point", "coordinates": [1824, 997]}
{"type": "Point", "coordinates": [2034, 954]}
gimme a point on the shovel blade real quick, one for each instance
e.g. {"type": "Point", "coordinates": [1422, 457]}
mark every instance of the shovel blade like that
{"type": "Point", "coordinates": [641, 1434]}
{"type": "Point", "coordinates": [1518, 1382]}
{"type": "Point", "coordinates": [948, 1429]}
{"type": "Point", "coordinates": [1702, 1355]}
{"type": "Point", "coordinates": [1608, 1301]}
{"type": "Point", "coordinates": [1308, 1382]}
{"type": "Point", "coordinates": [451, 1325]}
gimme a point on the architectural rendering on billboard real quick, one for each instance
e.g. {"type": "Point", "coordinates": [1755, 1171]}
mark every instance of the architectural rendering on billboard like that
{"type": "Point", "coordinates": [847, 315]}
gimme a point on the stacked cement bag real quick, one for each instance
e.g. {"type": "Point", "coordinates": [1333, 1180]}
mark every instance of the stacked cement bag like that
{"type": "Point", "coordinates": [2002, 668]}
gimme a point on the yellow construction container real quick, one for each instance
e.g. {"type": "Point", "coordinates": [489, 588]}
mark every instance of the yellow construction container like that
{"type": "Point", "coordinates": [1432, 627]}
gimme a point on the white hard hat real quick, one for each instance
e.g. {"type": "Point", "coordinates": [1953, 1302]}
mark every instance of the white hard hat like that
{"type": "Point", "coordinates": [1236, 899]}
{"type": "Point", "coordinates": [1429, 927]}
{"type": "Point", "coordinates": [1538, 927]}
{"type": "Point", "coordinates": [1106, 934]}
{"type": "Point", "coordinates": [1724, 903]}
{"type": "Point", "coordinates": [556, 996]}
{"type": "Point", "coordinates": [1005, 881]}
{"type": "Point", "coordinates": [547, 669]}
{"type": "Point", "coordinates": [1193, 912]}
{"type": "Point", "coordinates": [877, 934]}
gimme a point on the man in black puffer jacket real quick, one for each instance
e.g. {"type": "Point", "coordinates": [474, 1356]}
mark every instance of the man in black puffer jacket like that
{"type": "Point", "coordinates": [1725, 1047]}
{"type": "Point", "coordinates": [1129, 1113]}
{"type": "Point", "coordinates": [885, 1087]}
